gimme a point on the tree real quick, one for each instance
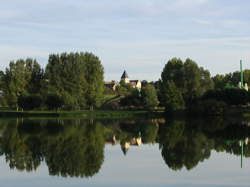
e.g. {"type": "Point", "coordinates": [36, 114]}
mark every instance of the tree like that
{"type": "Point", "coordinates": [22, 77]}
{"type": "Point", "coordinates": [65, 75]}
{"type": "Point", "coordinates": [77, 78]}
{"type": "Point", "coordinates": [171, 97]}
{"type": "Point", "coordinates": [29, 102]}
{"type": "Point", "coordinates": [36, 76]}
{"type": "Point", "coordinates": [219, 81]}
{"type": "Point", "coordinates": [149, 97]}
{"type": "Point", "coordinates": [94, 75]}
{"type": "Point", "coordinates": [54, 101]}
{"type": "Point", "coordinates": [174, 71]}
{"type": "Point", "coordinates": [188, 78]}
{"type": "Point", "coordinates": [132, 99]}
{"type": "Point", "coordinates": [124, 89]}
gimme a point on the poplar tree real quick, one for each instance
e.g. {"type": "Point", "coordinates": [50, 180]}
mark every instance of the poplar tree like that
{"type": "Point", "coordinates": [94, 75]}
{"type": "Point", "coordinates": [22, 77]}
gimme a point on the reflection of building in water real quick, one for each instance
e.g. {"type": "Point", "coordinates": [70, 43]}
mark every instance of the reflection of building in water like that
{"type": "Point", "coordinates": [112, 140]}
{"type": "Point", "coordinates": [246, 141]}
{"type": "Point", "coordinates": [125, 147]}
{"type": "Point", "coordinates": [134, 142]}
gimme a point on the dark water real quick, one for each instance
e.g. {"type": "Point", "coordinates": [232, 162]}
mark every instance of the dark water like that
{"type": "Point", "coordinates": [155, 152]}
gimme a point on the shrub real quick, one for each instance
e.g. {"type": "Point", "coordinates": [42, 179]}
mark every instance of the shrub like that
{"type": "Point", "coordinates": [54, 101]}
{"type": "Point", "coordinates": [232, 96]}
{"type": "Point", "coordinates": [30, 102]}
{"type": "Point", "coordinates": [210, 107]}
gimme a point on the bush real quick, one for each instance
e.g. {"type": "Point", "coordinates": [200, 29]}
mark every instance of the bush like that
{"type": "Point", "coordinates": [133, 99]}
{"type": "Point", "coordinates": [210, 107]}
{"type": "Point", "coordinates": [232, 96]}
{"type": "Point", "coordinates": [54, 101]}
{"type": "Point", "coordinates": [29, 102]}
{"type": "Point", "coordinates": [149, 97]}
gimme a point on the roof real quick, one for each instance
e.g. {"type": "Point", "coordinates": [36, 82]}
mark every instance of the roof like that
{"type": "Point", "coordinates": [124, 75]}
{"type": "Point", "coordinates": [110, 84]}
{"type": "Point", "coordinates": [133, 82]}
{"type": "Point", "coordinates": [136, 81]}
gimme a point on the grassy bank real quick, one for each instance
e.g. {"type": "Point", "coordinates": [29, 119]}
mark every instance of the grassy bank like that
{"type": "Point", "coordinates": [84, 114]}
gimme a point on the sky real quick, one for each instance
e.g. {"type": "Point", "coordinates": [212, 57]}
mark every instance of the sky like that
{"type": "Point", "coordinates": [139, 36]}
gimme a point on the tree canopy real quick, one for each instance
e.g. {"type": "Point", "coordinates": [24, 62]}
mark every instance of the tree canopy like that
{"type": "Point", "coordinates": [186, 79]}
{"type": "Point", "coordinates": [75, 80]}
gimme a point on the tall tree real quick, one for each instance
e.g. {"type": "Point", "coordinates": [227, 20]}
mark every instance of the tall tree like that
{"type": "Point", "coordinates": [65, 77]}
{"type": "Point", "coordinates": [174, 71]}
{"type": "Point", "coordinates": [21, 78]}
{"type": "Point", "coordinates": [77, 78]}
{"type": "Point", "coordinates": [94, 75]}
{"type": "Point", "coordinates": [171, 97]}
{"type": "Point", "coordinates": [149, 96]}
{"type": "Point", "coordinates": [187, 78]}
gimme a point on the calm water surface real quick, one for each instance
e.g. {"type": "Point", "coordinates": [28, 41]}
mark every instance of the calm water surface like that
{"type": "Point", "coordinates": [152, 152]}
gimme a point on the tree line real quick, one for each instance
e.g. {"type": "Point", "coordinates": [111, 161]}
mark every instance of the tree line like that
{"type": "Point", "coordinates": [185, 85]}
{"type": "Point", "coordinates": [75, 81]}
{"type": "Point", "coordinates": [71, 80]}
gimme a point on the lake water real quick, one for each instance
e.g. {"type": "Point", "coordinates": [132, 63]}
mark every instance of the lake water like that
{"type": "Point", "coordinates": [145, 152]}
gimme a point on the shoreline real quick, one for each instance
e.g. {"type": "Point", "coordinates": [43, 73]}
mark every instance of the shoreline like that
{"type": "Point", "coordinates": [85, 114]}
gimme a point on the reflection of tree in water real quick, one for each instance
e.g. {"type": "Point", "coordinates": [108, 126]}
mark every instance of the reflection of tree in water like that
{"type": "Point", "coordinates": [75, 150]}
{"type": "Point", "coordinates": [185, 143]}
{"type": "Point", "coordinates": [20, 151]}
{"type": "Point", "coordinates": [182, 147]}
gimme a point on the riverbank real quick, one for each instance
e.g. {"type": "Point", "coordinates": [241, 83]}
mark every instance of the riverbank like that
{"type": "Point", "coordinates": [85, 114]}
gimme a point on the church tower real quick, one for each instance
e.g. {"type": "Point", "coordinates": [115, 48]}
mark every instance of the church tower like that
{"type": "Point", "coordinates": [124, 77]}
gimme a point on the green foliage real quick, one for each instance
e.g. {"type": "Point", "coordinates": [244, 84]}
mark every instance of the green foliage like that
{"type": "Point", "coordinates": [75, 147]}
{"type": "Point", "coordinates": [21, 78]}
{"type": "Point", "coordinates": [30, 102]}
{"type": "Point", "coordinates": [233, 79]}
{"type": "Point", "coordinates": [65, 77]}
{"type": "Point", "coordinates": [149, 131]}
{"type": "Point", "coordinates": [219, 81]}
{"type": "Point", "coordinates": [74, 150]}
{"type": "Point", "coordinates": [149, 96]}
{"type": "Point", "coordinates": [77, 78]}
{"type": "Point", "coordinates": [182, 146]}
{"type": "Point", "coordinates": [209, 107]}
{"type": "Point", "coordinates": [233, 96]}
{"type": "Point", "coordinates": [54, 101]}
{"type": "Point", "coordinates": [94, 75]}
{"type": "Point", "coordinates": [171, 97]}
{"type": "Point", "coordinates": [132, 99]}
{"type": "Point", "coordinates": [186, 79]}
{"type": "Point", "coordinates": [124, 89]}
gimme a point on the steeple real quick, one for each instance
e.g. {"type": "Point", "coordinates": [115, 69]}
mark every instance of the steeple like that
{"type": "Point", "coordinates": [124, 77]}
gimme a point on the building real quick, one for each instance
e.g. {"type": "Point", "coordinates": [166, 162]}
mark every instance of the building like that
{"type": "Point", "coordinates": [133, 83]}
{"type": "Point", "coordinates": [125, 77]}
{"type": "Point", "coordinates": [112, 85]}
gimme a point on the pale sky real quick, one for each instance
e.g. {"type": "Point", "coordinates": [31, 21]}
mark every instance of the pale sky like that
{"type": "Point", "coordinates": [137, 35]}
